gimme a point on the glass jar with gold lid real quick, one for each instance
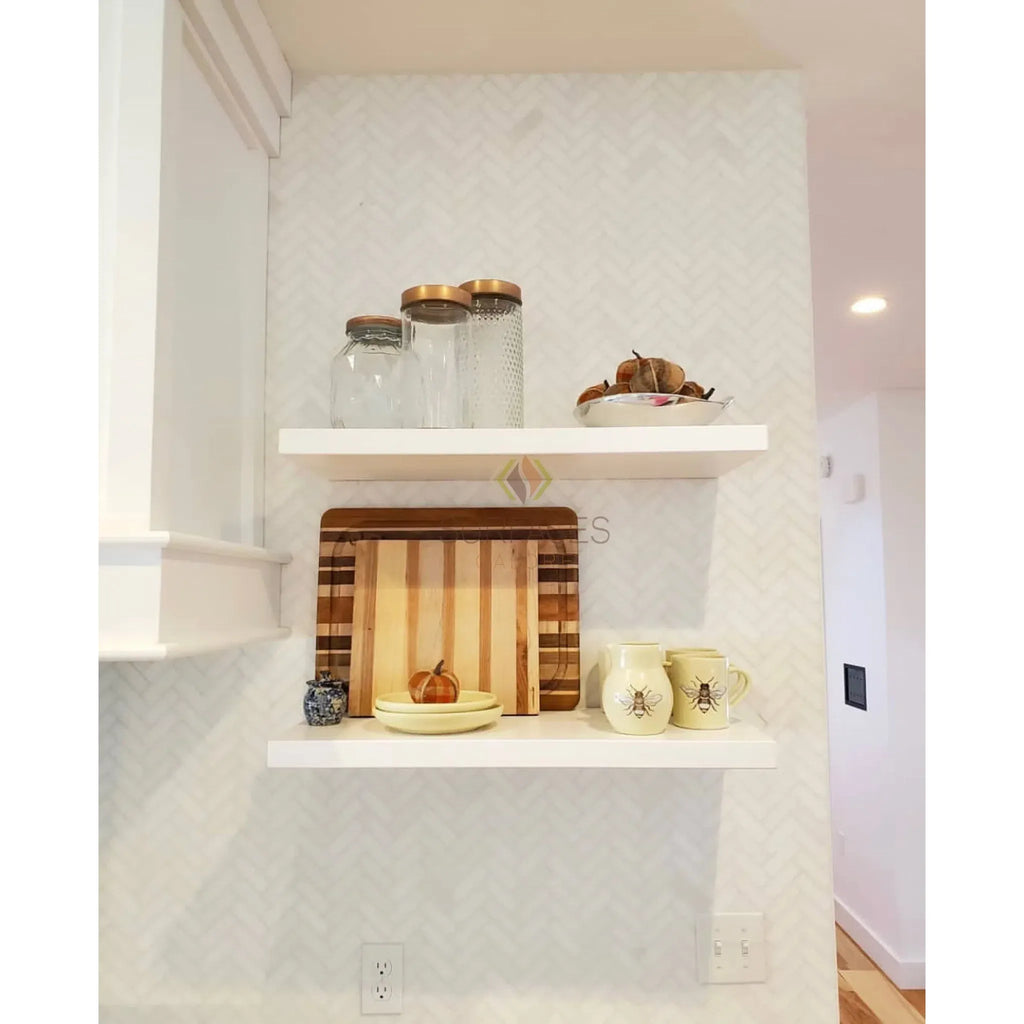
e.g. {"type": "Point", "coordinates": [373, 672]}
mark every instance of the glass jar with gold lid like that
{"type": "Point", "coordinates": [435, 330]}
{"type": "Point", "coordinates": [496, 353]}
{"type": "Point", "coordinates": [372, 376]}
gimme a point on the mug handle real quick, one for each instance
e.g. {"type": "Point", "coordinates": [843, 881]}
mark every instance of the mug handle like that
{"type": "Point", "coordinates": [742, 686]}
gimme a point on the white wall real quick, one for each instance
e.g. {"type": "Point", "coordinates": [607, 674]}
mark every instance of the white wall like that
{"type": "Point", "coordinates": [873, 581]}
{"type": "Point", "coordinates": [662, 210]}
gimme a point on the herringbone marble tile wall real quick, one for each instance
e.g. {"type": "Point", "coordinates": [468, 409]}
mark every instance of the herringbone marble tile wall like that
{"type": "Point", "coordinates": [665, 212]}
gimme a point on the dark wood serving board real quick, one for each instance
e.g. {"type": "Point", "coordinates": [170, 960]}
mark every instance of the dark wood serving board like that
{"type": "Point", "coordinates": [555, 531]}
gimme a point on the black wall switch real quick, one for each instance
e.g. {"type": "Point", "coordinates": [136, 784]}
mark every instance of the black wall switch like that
{"type": "Point", "coordinates": [855, 684]}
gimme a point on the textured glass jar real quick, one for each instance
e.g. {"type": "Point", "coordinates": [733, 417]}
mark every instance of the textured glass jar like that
{"type": "Point", "coordinates": [435, 329]}
{"type": "Point", "coordinates": [496, 353]}
{"type": "Point", "coordinates": [371, 376]}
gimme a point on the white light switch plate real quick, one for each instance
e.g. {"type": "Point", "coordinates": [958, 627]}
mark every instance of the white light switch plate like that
{"type": "Point", "coordinates": [731, 949]}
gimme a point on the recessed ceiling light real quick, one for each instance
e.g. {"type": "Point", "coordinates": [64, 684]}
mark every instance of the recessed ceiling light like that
{"type": "Point", "coordinates": [869, 304]}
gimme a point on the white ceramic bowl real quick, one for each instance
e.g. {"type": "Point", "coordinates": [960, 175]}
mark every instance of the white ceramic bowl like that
{"type": "Point", "coordinates": [649, 410]}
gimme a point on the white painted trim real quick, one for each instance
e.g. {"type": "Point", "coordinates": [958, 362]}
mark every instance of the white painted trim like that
{"type": "Point", "coordinates": [189, 648]}
{"type": "Point", "coordinates": [902, 973]}
{"type": "Point", "coordinates": [159, 539]}
{"type": "Point", "coordinates": [229, 55]}
{"type": "Point", "coordinates": [258, 38]}
{"type": "Point", "coordinates": [170, 595]}
{"type": "Point", "coordinates": [146, 100]}
{"type": "Point", "coordinates": [216, 82]}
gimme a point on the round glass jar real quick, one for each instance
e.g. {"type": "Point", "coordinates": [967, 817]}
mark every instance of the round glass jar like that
{"type": "Point", "coordinates": [435, 330]}
{"type": "Point", "coordinates": [370, 376]}
{"type": "Point", "coordinates": [496, 353]}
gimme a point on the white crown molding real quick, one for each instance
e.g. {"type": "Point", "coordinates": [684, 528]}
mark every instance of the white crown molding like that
{"type": "Point", "coordinates": [260, 43]}
{"type": "Point", "coordinates": [218, 85]}
{"type": "Point", "coordinates": [235, 41]}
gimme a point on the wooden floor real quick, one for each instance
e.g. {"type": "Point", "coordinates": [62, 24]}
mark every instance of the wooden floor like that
{"type": "Point", "coordinates": [866, 996]}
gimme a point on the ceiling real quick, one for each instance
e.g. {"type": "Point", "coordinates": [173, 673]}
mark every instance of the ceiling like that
{"type": "Point", "coordinates": [864, 75]}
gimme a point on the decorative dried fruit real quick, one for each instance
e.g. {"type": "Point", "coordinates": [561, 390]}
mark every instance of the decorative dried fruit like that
{"type": "Point", "coordinates": [692, 389]}
{"type": "Point", "coordinates": [657, 376]}
{"type": "Point", "coordinates": [617, 389]}
{"type": "Point", "coordinates": [594, 391]}
{"type": "Point", "coordinates": [434, 687]}
{"type": "Point", "coordinates": [627, 368]}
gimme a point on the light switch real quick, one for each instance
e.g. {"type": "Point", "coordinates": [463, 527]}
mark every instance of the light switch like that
{"type": "Point", "coordinates": [731, 949]}
{"type": "Point", "coordinates": [854, 489]}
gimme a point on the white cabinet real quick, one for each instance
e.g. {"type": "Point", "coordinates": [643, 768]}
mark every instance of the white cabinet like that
{"type": "Point", "coordinates": [192, 95]}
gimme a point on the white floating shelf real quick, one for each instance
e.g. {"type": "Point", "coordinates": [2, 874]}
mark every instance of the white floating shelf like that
{"type": "Point", "coordinates": [553, 739]}
{"type": "Point", "coordinates": [566, 453]}
{"type": "Point", "coordinates": [172, 595]}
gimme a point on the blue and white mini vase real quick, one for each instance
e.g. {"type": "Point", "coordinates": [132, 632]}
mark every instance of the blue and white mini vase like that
{"type": "Point", "coordinates": [326, 700]}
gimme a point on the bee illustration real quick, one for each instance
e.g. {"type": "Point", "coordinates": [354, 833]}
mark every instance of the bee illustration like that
{"type": "Point", "coordinates": [638, 702]}
{"type": "Point", "coordinates": [706, 696]}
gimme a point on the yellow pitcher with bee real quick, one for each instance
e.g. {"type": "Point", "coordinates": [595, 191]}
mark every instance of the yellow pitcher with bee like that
{"type": "Point", "coordinates": [636, 694]}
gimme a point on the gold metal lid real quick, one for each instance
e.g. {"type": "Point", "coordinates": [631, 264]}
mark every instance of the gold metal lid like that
{"type": "Point", "coordinates": [379, 321]}
{"type": "Point", "coordinates": [436, 293]}
{"type": "Point", "coordinates": [492, 286]}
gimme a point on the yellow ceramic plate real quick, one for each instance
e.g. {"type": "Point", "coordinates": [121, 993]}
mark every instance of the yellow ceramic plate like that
{"type": "Point", "coordinates": [402, 703]}
{"type": "Point", "coordinates": [435, 725]}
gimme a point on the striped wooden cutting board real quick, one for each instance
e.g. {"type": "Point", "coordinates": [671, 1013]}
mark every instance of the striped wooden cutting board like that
{"type": "Point", "coordinates": [554, 529]}
{"type": "Point", "coordinates": [471, 604]}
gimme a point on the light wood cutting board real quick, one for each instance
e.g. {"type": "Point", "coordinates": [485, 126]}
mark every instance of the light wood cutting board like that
{"type": "Point", "coordinates": [555, 530]}
{"type": "Point", "coordinates": [471, 603]}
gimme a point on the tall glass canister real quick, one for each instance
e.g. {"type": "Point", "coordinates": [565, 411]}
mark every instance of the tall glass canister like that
{"type": "Point", "coordinates": [496, 353]}
{"type": "Point", "coordinates": [435, 328]}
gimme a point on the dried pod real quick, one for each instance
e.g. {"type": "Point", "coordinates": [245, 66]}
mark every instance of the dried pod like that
{"type": "Point", "coordinates": [619, 388]}
{"type": "Point", "coordinates": [692, 389]}
{"type": "Point", "coordinates": [594, 391]}
{"type": "Point", "coordinates": [627, 368]}
{"type": "Point", "coordinates": [657, 376]}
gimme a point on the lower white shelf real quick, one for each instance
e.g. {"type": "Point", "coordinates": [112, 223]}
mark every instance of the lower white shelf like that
{"type": "Point", "coordinates": [553, 739]}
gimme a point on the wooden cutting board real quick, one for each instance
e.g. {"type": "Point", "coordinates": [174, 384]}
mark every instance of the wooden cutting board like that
{"type": "Point", "coordinates": [555, 531]}
{"type": "Point", "coordinates": [472, 604]}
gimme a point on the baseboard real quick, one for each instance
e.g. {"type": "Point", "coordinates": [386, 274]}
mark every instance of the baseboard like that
{"type": "Point", "coordinates": [902, 973]}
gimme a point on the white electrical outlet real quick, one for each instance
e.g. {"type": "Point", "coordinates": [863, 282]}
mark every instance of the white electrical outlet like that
{"type": "Point", "coordinates": [731, 949]}
{"type": "Point", "coordinates": [381, 979]}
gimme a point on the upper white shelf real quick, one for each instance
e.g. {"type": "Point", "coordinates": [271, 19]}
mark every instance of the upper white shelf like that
{"type": "Point", "coordinates": [566, 453]}
{"type": "Point", "coordinates": [553, 739]}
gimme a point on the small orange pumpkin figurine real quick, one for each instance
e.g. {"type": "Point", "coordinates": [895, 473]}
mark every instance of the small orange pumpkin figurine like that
{"type": "Point", "coordinates": [434, 687]}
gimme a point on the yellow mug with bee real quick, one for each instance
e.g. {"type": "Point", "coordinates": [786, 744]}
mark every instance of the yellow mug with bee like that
{"type": "Point", "coordinates": [701, 691]}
